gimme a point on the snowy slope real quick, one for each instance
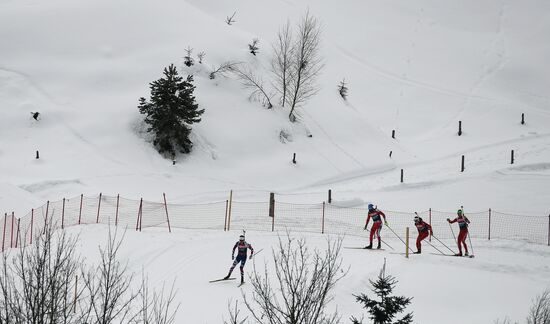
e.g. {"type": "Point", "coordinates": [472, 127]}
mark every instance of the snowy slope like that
{"type": "Point", "coordinates": [500, 281]}
{"type": "Point", "coordinates": [414, 66]}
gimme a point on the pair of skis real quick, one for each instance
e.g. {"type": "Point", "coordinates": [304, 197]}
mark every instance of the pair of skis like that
{"type": "Point", "coordinates": [223, 279]}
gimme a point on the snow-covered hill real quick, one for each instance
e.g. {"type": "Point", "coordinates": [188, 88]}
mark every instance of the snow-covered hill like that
{"type": "Point", "coordinates": [417, 67]}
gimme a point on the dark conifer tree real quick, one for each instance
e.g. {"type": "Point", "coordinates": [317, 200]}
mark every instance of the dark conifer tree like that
{"type": "Point", "coordinates": [385, 310]}
{"type": "Point", "coordinates": [171, 112]}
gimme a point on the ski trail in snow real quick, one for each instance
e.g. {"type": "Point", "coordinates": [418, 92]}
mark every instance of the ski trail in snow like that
{"type": "Point", "coordinates": [395, 77]}
{"type": "Point", "coordinates": [489, 68]}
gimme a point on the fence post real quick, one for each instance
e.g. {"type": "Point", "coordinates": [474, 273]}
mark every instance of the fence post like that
{"type": "Point", "coordinates": [229, 211]}
{"type": "Point", "coordinates": [522, 118]}
{"type": "Point", "coordinates": [401, 175]}
{"type": "Point", "coordinates": [407, 243]}
{"type": "Point", "coordinates": [139, 213]}
{"type": "Point", "coordinates": [462, 165]}
{"type": "Point", "coordinates": [12, 224]}
{"type": "Point", "coordinates": [330, 196]}
{"type": "Point", "coordinates": [489, 235]}
{"type": "Point", "coordinates": [294, 158]}
{"type": "Point", "coordinates": [225, 218]}
{"type": "Point", "coordinates": [80, 211]}
{"type": "Point", "coordinates": [98, 207]}
{"type": "Point", "coordinates": [272, 210]}
{"type": "Point", "coordinates": [4, 235]}
{"type": "Point", "coordinates": [32, 224]}
{"type": "Point", "coordinates": [63, 215]}
{"type": "Point", "coordinates": [167, 218]}
{"type": "Point", "coordinates": [393, 133]}
{"type": "Point", "coordinates": [459, 128]}
{"type": "Point", "coordinates": [46, 218]}
{"type": "Point", "coordinates": [17, 235]}
{"type": "Point", "coordinates": [512, 157]}
{"type": "Point", "coordinates": [430, 222]}
{"type": "Point", "coordinates": [116, 213]}
{"type": "Point", "coordinates": [323, 220]}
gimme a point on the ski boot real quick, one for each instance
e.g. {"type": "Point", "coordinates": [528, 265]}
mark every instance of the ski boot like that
{"type": "Point", "coordinates": [379, 245]}
{"type": "Point", "coordinates": [227, 277]}
{"type": "Point", "coordinates": [466, 254]}
{"type": "Point", "coordinates": [458, 254]}
{"type": "Point", "coordinates": [242, 279]}
{"type": "Point", "coordinates": [417, 252]}
{"type": "Point", "coordinates": [368, 246]}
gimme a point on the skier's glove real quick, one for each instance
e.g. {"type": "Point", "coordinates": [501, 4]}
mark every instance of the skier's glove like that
{"type": "Point", "coordinates": [431, 233]}
{"type": "Point", "coordinates": [232, 256]}
{"type": "Point", "coordinates": [448, 220]}
{"type": "Point", "coordinates": [386, 223]}
{"type": "Point", "coordinates": [251, 256]}
{"type": "Point", "coordinates": [365, 228]}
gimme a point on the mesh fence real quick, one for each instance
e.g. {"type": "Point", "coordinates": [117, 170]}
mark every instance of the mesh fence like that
{"type": "Point", "coordinates": [236, 215]}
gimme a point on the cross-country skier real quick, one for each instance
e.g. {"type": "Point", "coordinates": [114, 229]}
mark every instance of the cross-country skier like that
{"type": "Point", "coordinates": [463, 222]}
{"type": "Point", "coordinates": [424, 229]}
{"type": "Point", "coordinates": [242, 247]}
{"type": "Point", "coordinates": [376, 216]}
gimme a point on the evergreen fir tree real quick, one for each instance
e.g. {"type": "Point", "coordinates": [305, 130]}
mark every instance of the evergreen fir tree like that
{"type": "Point", "coordinates": [385, 310]}
{"type": "Point", "coordinates": [171, 111]}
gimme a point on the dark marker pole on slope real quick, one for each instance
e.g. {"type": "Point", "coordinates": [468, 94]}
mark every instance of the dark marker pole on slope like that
{"type": "Point", "coordinates": [37, 155]}
{"type": "Point", "coordinates": [512, 157]}
{"type": "Point", "coordinates": [462, 165]}
{"type": "Point", "coordinates": [523, 118]}
{"type": "Point", "coordinates": [294, 158]}
{"type": "Point", "coordinates": [393, 133]}
{"type": "Point", "coordinates": [401, 175]}
{"type": "Point", "coordinates": [329, 196]}
{"type": "Point", "coordinates": [459, 128]}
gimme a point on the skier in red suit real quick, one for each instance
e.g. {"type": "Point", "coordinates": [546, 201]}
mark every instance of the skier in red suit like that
{"type": "Point", "coordinates": [463, 222]}
{"type": "Point", "coordinates": [424, 229]}
{"type": "Point", "coordinates": [376, 216]}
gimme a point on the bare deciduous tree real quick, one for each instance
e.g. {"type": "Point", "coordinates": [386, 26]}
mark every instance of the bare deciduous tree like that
{"type": "Point", "coordinates": [302, 290]}
{"type": "Point", "coordinates": [254, 83]}
{"type": "Point", "coordinates": [306, 63]}
{"type": "Point", "coordinates": [230, 20]}
{"type": "Point", "coordinates": [110, 286]}
{"type": "Point", "coordinates": [157, 307]}
{"type": "Point", "coordinates": [540, 310]}
{"type": "Point", "coordinates": [201, 56]}
{"type": "Point", "coordinates": [37, 284]}
{"type": "Point", "coordinates": [282, 61]}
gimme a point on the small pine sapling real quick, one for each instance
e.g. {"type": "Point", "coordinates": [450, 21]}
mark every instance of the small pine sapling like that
{"type": "Point", "coordinates": [385, 310]}
{"type": "Point", "coordinates": [201, 56]}
{"type": "Point", "coordinates": [343, 89]}
{"type": "Point", "coordinates": [253, 48]}
{"type": "Point", "coordinates": [188, 59]}
{"type": "Point", "coordinates": [230, 20]}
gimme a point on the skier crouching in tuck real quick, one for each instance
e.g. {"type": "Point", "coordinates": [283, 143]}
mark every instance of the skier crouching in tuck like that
{"type": "Point", "coordinates": [424, 229]}
{"type": "Point", "coordinates": [463, 222]}
{"type": "Point", "coordinates": [242, 247]}
{"type": "Point", "coordinates": [376, 216]}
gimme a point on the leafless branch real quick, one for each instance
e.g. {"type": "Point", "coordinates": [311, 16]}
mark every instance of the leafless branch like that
{"type": "Point", "coordinates": [254, 83]}
{"type": "Point", "coordinates": [303, 284]}
{"type": "Point", "coordinates": [223, 68]}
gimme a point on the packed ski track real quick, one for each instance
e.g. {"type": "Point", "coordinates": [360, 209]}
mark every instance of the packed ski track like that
{"type": "Point", "coordinates": [414, 67]}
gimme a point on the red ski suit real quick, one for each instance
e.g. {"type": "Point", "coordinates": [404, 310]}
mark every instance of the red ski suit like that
{"type": "Point", "coordinates": [424, 229]}
{"type": "Point", "coordinates": [463, 222]}
{"type": "Point", "coordinates": [377, 223]}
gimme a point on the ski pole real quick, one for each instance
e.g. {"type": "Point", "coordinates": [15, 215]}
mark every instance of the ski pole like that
{"type": "Point", "coordinates": [438, 250]}
{"type": "Point", "coordinates": [388, 226]}
{"type": "Point", "coordinates": [445, 245]}
{"type": "Point", "coordinates": [383, 241]}
{"type": "Point", "coordinates": [471, 245]}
